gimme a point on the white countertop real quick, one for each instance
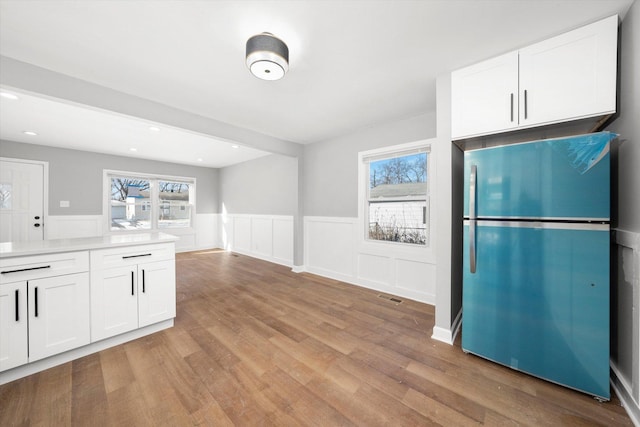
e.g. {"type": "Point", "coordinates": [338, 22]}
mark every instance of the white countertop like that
{"type": "Point", "coordinates": [39, 247]}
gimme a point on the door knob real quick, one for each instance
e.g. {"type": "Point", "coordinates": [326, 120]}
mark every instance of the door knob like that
{"type": "Point", "coordinates": [36, 225]}
{"type": "Point", "coordinates": [36, 217]}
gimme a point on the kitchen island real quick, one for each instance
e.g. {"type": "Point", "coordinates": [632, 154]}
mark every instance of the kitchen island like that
{"type": "Point", "coordinates": [67, 298]}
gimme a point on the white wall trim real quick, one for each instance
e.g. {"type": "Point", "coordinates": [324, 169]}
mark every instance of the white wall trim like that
{"type": "Point", "coordinates": [626, 386]}
{"type": "Point", "coordinates": [266, 237]}
{"type": "Point", "coordinates": [332, 249]}
{"type": "Point", "coordinates": [204, 234]}
{"type": "Point", "coordinates": [623, 390]}
{"type": "Point", "coordinates": [448, 335]}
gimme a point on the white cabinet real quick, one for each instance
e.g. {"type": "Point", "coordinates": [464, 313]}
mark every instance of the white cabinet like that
{"type": "Point", "coordinates": [568, 77]}
{"type": "Point", "coordinates": [131, 288]}
{"type": "Point", "coordinates": [13, 325]}
{"type": "Point", "coordinates": [58, 310]}
{"type": "Point", "coordinates": [44, 306]}
{"type": "Point", "coordinates": [484, 97]}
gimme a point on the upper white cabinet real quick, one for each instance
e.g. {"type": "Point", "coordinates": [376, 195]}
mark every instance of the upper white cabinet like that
{"type": "Point", "coordinates": [484, 97]}
{"type": "Point", "coordinates": [568, 77]}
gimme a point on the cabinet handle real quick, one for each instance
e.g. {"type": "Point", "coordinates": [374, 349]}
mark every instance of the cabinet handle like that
{"type": "Point", "coordinates": [135, 256]}
{"type": "Point", "coordinates": [143, 289]}
{"type": "Point", "coordinates": [132, 279]}
{"type": "Point", "coordinates": [17, 306]}
{"type": "Point", "coordinates": [36, 300]}
{"type": "Point", "coordinates": [512, 107]}
{"type": "Point", "coordinates": [526, 110]}
{"type": "Point", "coordinates": [24, 269]}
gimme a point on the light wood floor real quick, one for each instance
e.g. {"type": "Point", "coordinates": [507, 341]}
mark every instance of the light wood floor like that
{"type": "Point", "coordinates": [255, 344]}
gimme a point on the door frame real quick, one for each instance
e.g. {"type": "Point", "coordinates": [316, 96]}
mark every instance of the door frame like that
{"type": "Point", "coordinates": [45, 189]}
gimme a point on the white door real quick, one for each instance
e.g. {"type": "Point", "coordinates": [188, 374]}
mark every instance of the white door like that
{"type": "Point", "coordinates": [21, 201]}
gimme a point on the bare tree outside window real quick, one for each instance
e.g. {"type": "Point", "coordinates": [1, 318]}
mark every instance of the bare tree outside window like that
{"type": "Point", "coordinates": [397, 199]}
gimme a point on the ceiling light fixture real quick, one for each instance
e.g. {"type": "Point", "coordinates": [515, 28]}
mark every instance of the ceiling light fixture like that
{"type": "Point", "coordinates": [267, 56]}
{"type": "Point", "coordinates": [234, 146]}
{"type": "Point", "coordinates": [133, 149]}
{"type": "Point", "coordinates": [154, 129]}
{"type": "Point", "coordinates": [30, 133]}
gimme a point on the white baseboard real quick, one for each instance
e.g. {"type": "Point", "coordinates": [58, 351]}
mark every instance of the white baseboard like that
{"type": "Point", "coordinates": [623, 391]}
{"type": "Point", "coordinates": [299, 269]}
{"type": "Point", "coordinates": [448, 335]}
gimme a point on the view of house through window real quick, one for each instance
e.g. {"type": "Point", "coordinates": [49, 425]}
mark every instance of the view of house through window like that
{"type": "Point", "coordinates": [141, 203]}
{"type": "Point", "coordinates": [397, 198]}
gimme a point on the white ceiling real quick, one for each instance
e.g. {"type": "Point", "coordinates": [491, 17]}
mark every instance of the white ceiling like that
{"type": "Point", "coordinates": [61, 124]}
{"type": "Point", "coordinates": [353, 64]}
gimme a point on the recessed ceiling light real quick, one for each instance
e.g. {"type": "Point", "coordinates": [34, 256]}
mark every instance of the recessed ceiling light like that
{"type": "Point", "coordinates": [133, 149]}
{"type": "Point", "coordinates": [30, 133]}
{"type": "Point", "coordinates": [199, 160]}
{"type": "Point", "coordinates": [8, 95]}
{"type": "Point", "coordinates": [154, 129]}
{"type": "Point", "coordinates": [234, 146]}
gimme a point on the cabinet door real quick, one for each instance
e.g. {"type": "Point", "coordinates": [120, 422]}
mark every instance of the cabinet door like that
{"type": "Point", "coordinates": [570, 76]}
{"type": "Point", "coordinates": [13, 325]}
{"type": "Point", "coordinates": [484, 97]}
{"type": "Point", "coordinates": [157, 292]}
{"type": "Point", "coordinates": [114, 302]}
{"type": "Point", "coordinates": [58, 314]}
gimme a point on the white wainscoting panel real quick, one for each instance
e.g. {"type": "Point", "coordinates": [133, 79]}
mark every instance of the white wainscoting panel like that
{"type": "Point", "coordinates": [72, 226]}
{"type": "Point", "coordinates": [262, 236]}
{"type": "Point", "coordinates": [625, 379]}
{"type": "Point", "coordinates": [375, 268]}
{"type": "Point", "coordinates": [283, 240]}
{"type": "Point", "coordinates": [329, 247]}
{"type": "Point", "coordinates": [332, 248]}
{"type": "Point", "coordinates": [242, 234]}
{"type": "Point", "coordinates": [204, 235]}
{"type": "Point", "coordinates": [268, 237]}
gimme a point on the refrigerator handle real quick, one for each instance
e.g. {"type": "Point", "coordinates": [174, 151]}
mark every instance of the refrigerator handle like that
{"type": "Point", "coordinates": [472, 218]}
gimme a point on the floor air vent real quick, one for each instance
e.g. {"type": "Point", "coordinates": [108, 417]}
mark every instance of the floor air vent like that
{"type": "Point", "coordinates": [392, 299]}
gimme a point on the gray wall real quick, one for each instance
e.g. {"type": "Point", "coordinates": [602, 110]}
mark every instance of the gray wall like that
{"type": "Point", "coordinates": [625, 294]}
{"type": "Point", "coordinates": [76, 176]}
{"type": "Point", "coordinates": [330, 169]}
{"type": "Point", "coordinates": [264, 186]}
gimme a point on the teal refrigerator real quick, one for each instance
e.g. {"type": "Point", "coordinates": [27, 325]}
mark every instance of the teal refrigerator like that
{"type": "Point", "coordinates": [536, 259]}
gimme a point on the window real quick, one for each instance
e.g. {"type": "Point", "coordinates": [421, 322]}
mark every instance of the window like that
{"type": "Point", "coordinates": [397, 194]}
{"type": "Point", "coordinates": [139, 202]}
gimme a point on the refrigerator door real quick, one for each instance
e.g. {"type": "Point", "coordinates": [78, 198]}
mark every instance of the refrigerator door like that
{"type": "Point", "coordinates": [565, 178]}
{"type": "Point", "coordinates": [539, 301]}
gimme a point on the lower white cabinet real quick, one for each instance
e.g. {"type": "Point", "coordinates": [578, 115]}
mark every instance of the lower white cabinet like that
{"type": "Point", "coordinates": [43, 317]}
{"type": "Point", "coordinates": [64, 299]}
{"type": "Point", "coordinates": [58, 309]}
{"type": "Point", "coordinates": [133, 295]}
{"type": "Point", "coordinates": [14, 340]}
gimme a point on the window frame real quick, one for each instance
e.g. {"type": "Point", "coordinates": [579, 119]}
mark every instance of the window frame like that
{"type": "Point", "coordinates": [154, 197]}
{"type": "Point", "coordinates": [364, 159]}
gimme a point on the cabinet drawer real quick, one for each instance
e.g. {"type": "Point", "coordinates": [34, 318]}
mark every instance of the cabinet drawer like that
{"type": "Point", "coordinates": [39, 266]}
{"type": "Point", "coordinates": [131, 255]}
